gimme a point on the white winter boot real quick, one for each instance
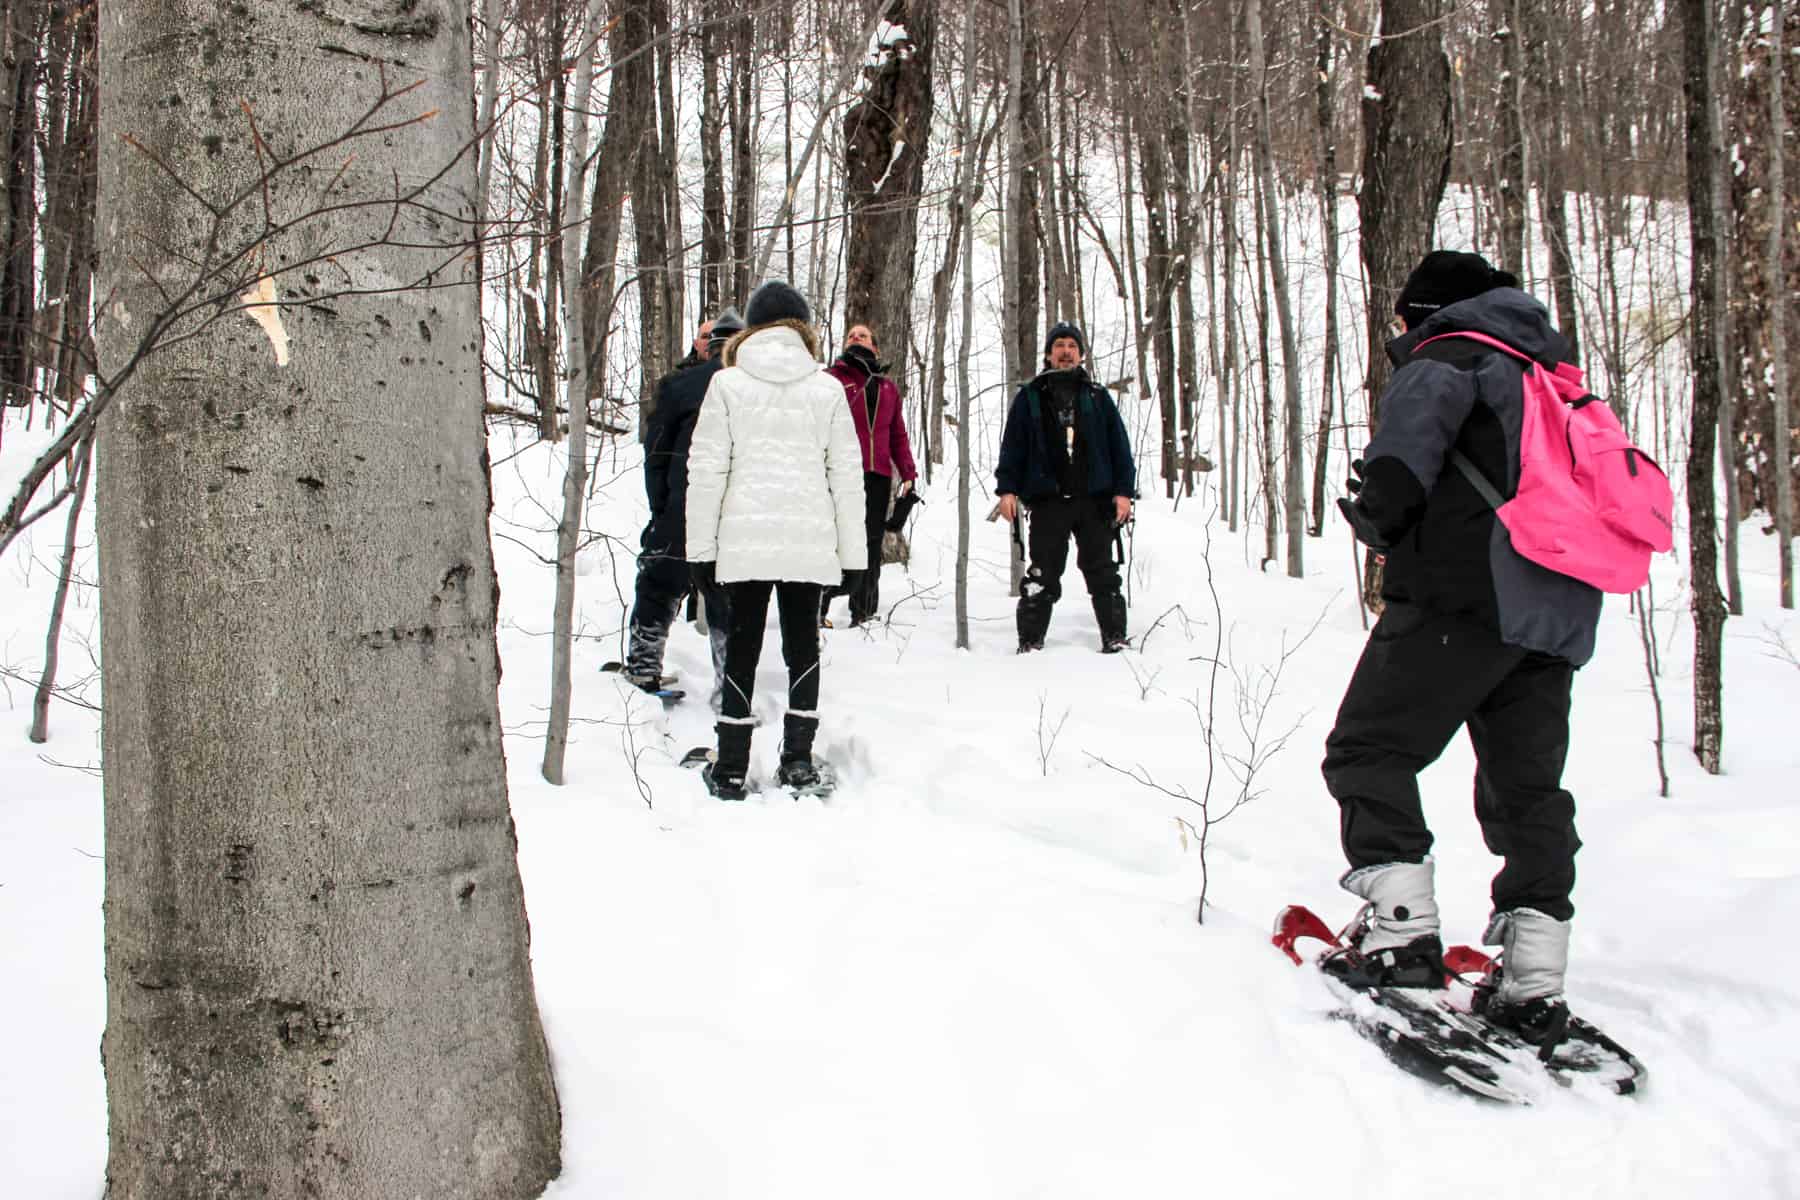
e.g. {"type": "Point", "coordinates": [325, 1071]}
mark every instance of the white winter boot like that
{"type": "Point", "coordinates": [1524, 992]}
{"type": "Point", "coordinates": [1394, 941]}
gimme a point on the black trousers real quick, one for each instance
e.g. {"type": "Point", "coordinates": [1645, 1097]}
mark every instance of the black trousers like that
{"type": "Point", "coordinates": [1089, 519]}
{"type": "Point", "coordinates": [798, 605]}
{"type": "Point", "coordinates": [1423, 676]}
{"type": "Point", "coordinates": [865, 601]}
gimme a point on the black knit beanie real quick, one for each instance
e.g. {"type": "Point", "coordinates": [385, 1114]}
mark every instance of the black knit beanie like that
{"type": "Point", "coordinates": [776, 301]}
{"type": "Point", "coordinates": [1442, 278]}
{"type": "Point", "coordinates": [1066, 329]}
{"type": "Point", "coordinates": [728, 322]}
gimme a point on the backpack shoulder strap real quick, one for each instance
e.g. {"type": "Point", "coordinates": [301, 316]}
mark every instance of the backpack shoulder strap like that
{"type": "Point", "coordinates": [1480, 482]}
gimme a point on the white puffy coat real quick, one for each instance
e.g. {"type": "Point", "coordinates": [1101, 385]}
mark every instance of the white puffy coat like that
{"type": "Point", "coordinates": [775, 487]}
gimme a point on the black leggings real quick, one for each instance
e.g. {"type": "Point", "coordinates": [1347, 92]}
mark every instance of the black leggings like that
{"type": "Point", "coordinates": [799, 608]}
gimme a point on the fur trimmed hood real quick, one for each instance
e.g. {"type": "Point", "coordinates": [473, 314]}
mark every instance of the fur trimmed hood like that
{"type": "Point", "coordinates": [808, 337]}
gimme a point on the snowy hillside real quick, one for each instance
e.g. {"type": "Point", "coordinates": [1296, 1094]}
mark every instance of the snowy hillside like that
{"type": "Point", "coordinates": [975, 971]}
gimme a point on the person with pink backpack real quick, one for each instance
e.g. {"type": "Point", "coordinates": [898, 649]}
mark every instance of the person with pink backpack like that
{"type": "Point", "coordinates": [1490, 491]}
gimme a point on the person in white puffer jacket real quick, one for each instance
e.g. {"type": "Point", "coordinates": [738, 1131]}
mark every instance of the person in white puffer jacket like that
{"type": "Point", "coordinates": [774, 505]}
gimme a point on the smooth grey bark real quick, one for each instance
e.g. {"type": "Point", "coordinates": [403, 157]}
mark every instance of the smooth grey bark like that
{"type": "Point", "coordinates": [317, 955]}
{"type": "Point", "coordinates": [576, 391]}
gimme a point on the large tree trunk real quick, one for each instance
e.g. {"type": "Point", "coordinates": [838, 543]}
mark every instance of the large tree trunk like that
{"type": "Point", "coordinates": [886, 135]}
{"type": "Point", "coordinates": [317, 957]}
{"type": "Point", "coordinates": [1406, 163]}
{"type": "Point", "coordinates": [1699, 46]}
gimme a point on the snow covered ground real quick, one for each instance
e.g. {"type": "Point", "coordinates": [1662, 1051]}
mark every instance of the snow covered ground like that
{"type": "Point", "coordinates": [975, 971]}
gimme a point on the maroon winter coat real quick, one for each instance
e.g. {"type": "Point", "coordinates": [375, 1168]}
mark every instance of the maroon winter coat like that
{"type": "Point", "coordinates": [885, 447]}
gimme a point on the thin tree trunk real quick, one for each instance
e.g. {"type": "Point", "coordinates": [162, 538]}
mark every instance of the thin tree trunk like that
{"type": "Point", "coordinates": [491, 11]}
{"type": "Point", "coordinates": [1509, 110]}
{"type": "Point", "coordinates": [715, 278]}
{"type": "Point", "coordinates": [1019, 290]}
{"type": "Point", "coordinates": [743, 163]}
{"type": "Point", "coordinates": [1293, 481]}
{"type": "Point", "coordinates": [589, 278]}
{"type": "Point", "coordinates": [966, 199]}
{"type": "Point", "coordinates": [40, 702]}
{"type": "Point", "coordinates": [674, 274]}
{"type": "Point", "coordinates": [1778, 322]}
{"type": "Point", "coordinates": [1328, 215]}
{"type": "Point", "coordinates": [1706, 304]}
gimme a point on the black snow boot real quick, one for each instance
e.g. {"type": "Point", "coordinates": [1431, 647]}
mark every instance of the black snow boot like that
{"type": "Point", "coordinates": [1109, 614]}
{"type": "Point", "coordinates": [797, 769]}
{"type": "Point", "coordinates": [725, 777]}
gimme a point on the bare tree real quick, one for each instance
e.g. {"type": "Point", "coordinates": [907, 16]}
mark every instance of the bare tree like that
{"type": "Point", "coordinates": [317, 959]}
{"type": "Point", "coordinates": [886, 136]}
{"type": "Point", "coordinates": [1701, 89]}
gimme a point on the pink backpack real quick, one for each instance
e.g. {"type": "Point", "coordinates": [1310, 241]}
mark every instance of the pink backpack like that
{"type": "Point", "coordinates": [1590, 504]}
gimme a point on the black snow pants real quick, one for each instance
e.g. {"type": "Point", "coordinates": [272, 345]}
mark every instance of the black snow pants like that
{"type": "Point", "coordinates": [1090, 520]}
{"type": "Point", "coordinates": [662, 581]}
{"type": "Point", "coordinates": [799, 618]}
{"type": "Point", "coordinates": [1423, 676]}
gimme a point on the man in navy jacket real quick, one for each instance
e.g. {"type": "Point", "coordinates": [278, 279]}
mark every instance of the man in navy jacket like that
{"type": "Point", "coordinates": [1065, 455]}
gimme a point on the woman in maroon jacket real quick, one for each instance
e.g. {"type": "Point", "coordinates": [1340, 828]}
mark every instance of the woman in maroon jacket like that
{"type": "Point", "coordinates": [875, 404]}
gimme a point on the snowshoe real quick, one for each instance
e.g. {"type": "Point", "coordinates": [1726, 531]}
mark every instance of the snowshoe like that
{"type": "Point", "coordinates": [806, 777]}
{"type": "Point", "coordinates": [699, 756]}
{"type": "Point", "coordinates": [618, 668]}
{"type": "Point", "coordinates": [1452, 1036]}
{"type": "Point", "coordinates": [723, 787]}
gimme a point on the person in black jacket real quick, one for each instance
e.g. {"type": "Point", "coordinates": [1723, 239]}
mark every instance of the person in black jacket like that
{"type": "Point", "coordinates": [663, 577]}
{"type": "Point", "coordinates": [1065, 455]}
{"type": "Point", "coordinates": [1471, 634]}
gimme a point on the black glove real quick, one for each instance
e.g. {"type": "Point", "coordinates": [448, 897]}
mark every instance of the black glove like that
{"type": "Point", "coordinates": [1363, 524]}
{"type": "Point", "coordinates": [1355, 482]}
{"type": "Point", "coordinates": [704, 575]}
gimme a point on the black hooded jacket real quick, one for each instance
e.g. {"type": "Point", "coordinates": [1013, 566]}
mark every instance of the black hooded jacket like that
{"type": "Point", "coordinates": [1447, 551]}
{"type": "Point", "coordinates": [671, 431]}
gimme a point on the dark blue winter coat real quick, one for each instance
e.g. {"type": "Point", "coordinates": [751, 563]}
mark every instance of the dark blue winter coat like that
{"type": "Point", "coordinates": [1446, 550]}
{"type": "Point", "coordinates": [666, 443]}
{"type": "Point", "coordinates": [1027, 469]}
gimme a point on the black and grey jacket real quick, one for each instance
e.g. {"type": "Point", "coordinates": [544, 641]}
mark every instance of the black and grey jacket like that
{"type": "Point", "coordinates": [1446, 550]}
{"type": "Point", "coordinates": [678, 399]}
